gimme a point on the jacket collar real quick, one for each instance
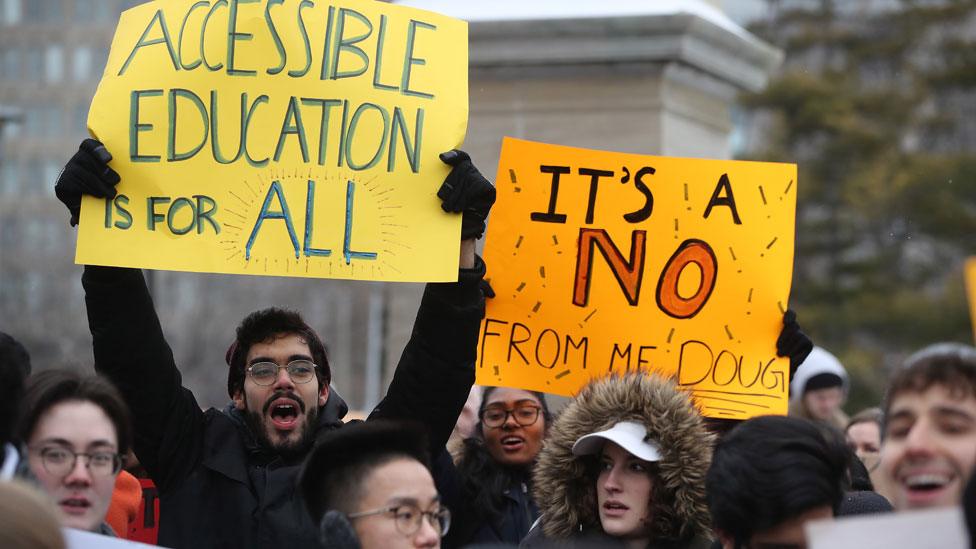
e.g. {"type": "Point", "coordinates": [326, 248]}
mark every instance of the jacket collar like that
{"type": "Point", "coordinates": [230, 446]}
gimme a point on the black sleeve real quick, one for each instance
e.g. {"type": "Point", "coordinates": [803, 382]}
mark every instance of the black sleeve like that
{"type": "Point", "coordinates": [436, 369]}
{"type": "Point", "coordinates": [132, 352]}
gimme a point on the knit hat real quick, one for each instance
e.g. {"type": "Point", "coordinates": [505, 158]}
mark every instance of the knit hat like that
{"type": "Point", "coordinates": [822, 369]}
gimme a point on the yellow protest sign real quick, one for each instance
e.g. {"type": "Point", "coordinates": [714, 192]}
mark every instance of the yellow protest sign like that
{"type": "Point", "coordinates": [608, 262]}
{"type": "Point", "coordinates": [280, 138]}
{"type": "Point", "coordinates": [971, 290]}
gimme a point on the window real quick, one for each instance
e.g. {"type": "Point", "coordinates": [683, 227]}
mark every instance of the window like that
{"type": "Point", "coordinates": [32, 174]}
{"type": "Point", "coordinates": [33, 121]}
{"type": "Point", "coordinates": [10, 129]}
{"type": "Point", "coordinates": [53, 64]}
{"type": "Point", "coordinates": [33, 64]}
{"type": "Point", "coordinates": [93, 11]}
{"type": "Point", "coordinates": [99, 60]}
{"type": "Point", "coordinates": [42, 121]}
{"type": "Point", "coordinates": [50, 174]}
{"type": "Point", "coordinates": [9, 176]}
{"type": "Point", "coordinates": [53, 125]}
{"type": "Point", "coordinates": [10, 65]}
{"type": "Point", "coordinates": [81, 64]}
{"type": "Point", "coordinates": [79, 118]}
{"type": "Point", "coordinates": [42, 11]}
{"type": "Point", "coordinates": [9, 12]}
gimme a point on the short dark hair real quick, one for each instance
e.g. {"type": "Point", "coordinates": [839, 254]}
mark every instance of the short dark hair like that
{"type": "Point", "coordinates": [14, 368]}
{"type": "Point", "coordinates": [950, 365]}
{"type": "Point", "coordinates": [333, 475]}
{"type": "Point", "coordinates": [264, 325]}
{"type": "Point", "coordinates": [52, 387]}
{"type": "Point", "coordinates": [770, 469]}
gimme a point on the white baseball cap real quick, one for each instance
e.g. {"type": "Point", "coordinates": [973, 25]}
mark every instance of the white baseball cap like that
{"type": "Point", "coordinates": [629, 435]}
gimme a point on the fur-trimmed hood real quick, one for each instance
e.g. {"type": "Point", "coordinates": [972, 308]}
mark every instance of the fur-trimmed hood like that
{"type": "Point", "coordinates": [565, 490]}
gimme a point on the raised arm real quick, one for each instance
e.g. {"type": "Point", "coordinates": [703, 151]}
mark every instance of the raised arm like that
{"type": "Point", "coordinates": [436, 369]}
{"type": "Point", "coordinates": [128, 342]}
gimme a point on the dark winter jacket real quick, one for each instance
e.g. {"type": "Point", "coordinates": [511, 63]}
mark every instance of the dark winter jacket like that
{"type": "Point", "coordinates": [565, 487]}
{"type": "Point", "coordinates": [218, 486]}
{"type": "Point", "coordinates": [472, 525]}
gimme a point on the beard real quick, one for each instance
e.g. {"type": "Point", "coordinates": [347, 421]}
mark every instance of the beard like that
{"type": "Point", "coordinates": [287, 447]}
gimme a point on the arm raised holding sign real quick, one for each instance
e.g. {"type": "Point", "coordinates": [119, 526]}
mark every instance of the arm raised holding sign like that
{"type": "Point", "coordinates": [228, 476]}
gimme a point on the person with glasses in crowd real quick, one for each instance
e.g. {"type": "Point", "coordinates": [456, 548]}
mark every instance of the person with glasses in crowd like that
{"type": "Point", "coordinates": [227, 477]}
{"type": "Point", "coordinates": [76, 429]}
{"type": "Point", "coordinates": [492, 496]}
{"type": "Point", "coordinates": [368, 486]}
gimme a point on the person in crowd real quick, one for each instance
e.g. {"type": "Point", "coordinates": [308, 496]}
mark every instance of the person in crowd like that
{"type": "Point", "coordinates": [494, 504]}
{"type": "Point", "coordinates": [213, 468]}
{"type": "Point", "coordinates": [466, 423]}
{"type": "Point", "coordinates": [863, 434]}
{"type": "Point", "coordinates": [928, 449]}
{"type": "Point", "coordinates": [624, 465]}
{"type": "Point", "coordinates": [15, 366]}
{"type": "Point", "coordinates": [864, 437]}
{"type": "Point", "coordinates": [27, 520]}
{"type": "Point", "coordinates": [769, 476]}
{"type": "Point", "coordinates": [819, 388]}
{"type": "Point", "coordinates": [368, 487]}
{"type": "Point", "coordinates": [76, 429]}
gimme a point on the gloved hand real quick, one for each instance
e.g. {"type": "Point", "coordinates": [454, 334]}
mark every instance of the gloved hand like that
{"type": "Point", "coordinates": [86, 173]}
{"type": "Point", "coordinates": [486, 288]}
{"type": "Point", "coordinates": [792, 342]}
{"type": "Point", "coordinates": [466, 191]}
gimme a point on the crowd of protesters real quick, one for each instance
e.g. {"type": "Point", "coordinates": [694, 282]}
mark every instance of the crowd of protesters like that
{"type": "Point", "coordinates": [628, 462]}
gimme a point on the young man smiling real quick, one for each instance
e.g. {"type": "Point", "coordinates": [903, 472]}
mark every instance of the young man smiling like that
{"type": "Point", "coordinates": [928, 449]}
{"type": "Point", "coordinates": [226, 478]}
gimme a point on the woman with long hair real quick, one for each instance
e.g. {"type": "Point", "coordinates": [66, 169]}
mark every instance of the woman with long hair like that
{"type": "Point", "coordinates": [493, 470]}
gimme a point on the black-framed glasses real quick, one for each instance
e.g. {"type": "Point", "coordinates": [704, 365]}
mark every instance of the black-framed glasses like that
{"type": "Point", "coordinates": [408, 518]}
{"type": "Point", "coordinates": [265, 373]}
{"type": "Point", "coordinates": [524, 415]}
{"type": "Point", "coordinates": [60, 462]}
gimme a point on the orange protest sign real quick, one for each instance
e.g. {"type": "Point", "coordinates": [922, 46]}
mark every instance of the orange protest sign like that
{"type": "Point", "coordinates": [971, 290]}
{"type": "Point", "coordinates": [607, 262]}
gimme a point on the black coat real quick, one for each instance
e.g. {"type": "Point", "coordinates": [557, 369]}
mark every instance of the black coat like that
{"type": "Point", "coordinates": [218, 487]}
{"type": "Point", "coordinates": [471, 525]}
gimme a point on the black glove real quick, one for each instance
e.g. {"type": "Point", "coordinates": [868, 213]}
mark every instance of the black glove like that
{"type": "Point", "coordinates": [86, 173]}
{"type": "Point", "coordinates": [486, 288]}
{"type": "Point", "coordinates": [792, 342]}
{"type": "Point", "coordinates": [465, 190]}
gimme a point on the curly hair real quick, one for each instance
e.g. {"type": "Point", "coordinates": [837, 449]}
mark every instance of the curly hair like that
{"type": "Point", "coordinates": [483, 480]}
{"type": "Point", "coordinates": [265, 325]}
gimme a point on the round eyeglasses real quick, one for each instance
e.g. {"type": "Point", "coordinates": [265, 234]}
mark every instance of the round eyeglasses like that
{"type": "Point", "coordinates": [61, 461]}
{"type": "Point", "coordinates": [523, 415]}
{"type": "Point", "coordinates": [408, 518]}
{"type": "Point", "coordinates": [265, 373]}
